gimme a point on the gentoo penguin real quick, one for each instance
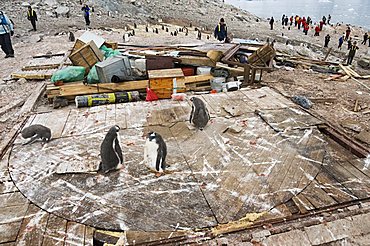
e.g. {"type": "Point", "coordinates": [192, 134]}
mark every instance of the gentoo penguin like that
{"type": "Point", "coordinates": [36, 132]}
{"type": "Point", "coordinates": [199, 115]}
{"type": "Point", "coordinates": [110, 151]}
{"type": "Point", "coordinates": [155, 152]}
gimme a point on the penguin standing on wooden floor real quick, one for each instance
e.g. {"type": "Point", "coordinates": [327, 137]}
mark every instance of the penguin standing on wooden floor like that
{"type": "Point", "coordinates": [199, 115]}
{"type": "Point", "coordinates": [110, 151]}
{"type": "Point", "coordinates": [155, 152]}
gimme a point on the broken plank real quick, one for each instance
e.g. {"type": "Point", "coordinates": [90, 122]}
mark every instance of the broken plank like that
{"type": "Point", "coordinates": [11, 105]}
{"type": "Point", "coordinates": [48, 55]}
{"type": "Point", "coordinates": [29, 105]}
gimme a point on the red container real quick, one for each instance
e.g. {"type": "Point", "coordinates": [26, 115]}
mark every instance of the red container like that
{"type": "Point", "coordinates": [188, 71]}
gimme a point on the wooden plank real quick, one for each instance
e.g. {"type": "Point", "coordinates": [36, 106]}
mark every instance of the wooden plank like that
{"type": "Point", "coordinates": [75, 234]}
{"type": "Point", "coordinates": [165, 73]}
{"type": "Point", "coordinates": [197, 61]}
{"type": "Point", "coordinates": [317, 197]}
{"type": "Point", "coordinates": [9, 232]}
{"type": "Point", "coordinates": [89, 236]}
{"type": "Point", "coordinates": [302, 203]}
{"type": "Point", "coordinates": [29, 105]}
{"type": "Point", "coordinates": [33, 226]}
{"type": "Point", "coordinates": [77, 89]}
{"type": "Point", "coordinates": [12, 199]}
{"type": "Point", "coordinates": [40, 67]}
{"type": "Point", "coordinates": [55, 121]}
{"type": "Point", "coordinates": [13, 213]}
{"type": "Point", "coordinates": [31, 76]}
{"type": "Point", "coordinates": [55, 232]}
{"type": "Point", "coordinates": [11, 105]}
{"type": "Point", "coordinates": [187, 80]}
{"type": "Point", "coordinates": [334, 189]}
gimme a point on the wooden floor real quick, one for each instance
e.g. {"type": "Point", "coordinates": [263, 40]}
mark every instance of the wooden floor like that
{"type": "Point", "coordinates": [277, 162]}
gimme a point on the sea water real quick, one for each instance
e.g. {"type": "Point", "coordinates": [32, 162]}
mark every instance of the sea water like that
{"type": "Point", "coordinates": [355, 12]}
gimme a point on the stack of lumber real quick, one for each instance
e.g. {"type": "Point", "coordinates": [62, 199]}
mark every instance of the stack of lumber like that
{"type": "Point", "coordinates": [71, 90]}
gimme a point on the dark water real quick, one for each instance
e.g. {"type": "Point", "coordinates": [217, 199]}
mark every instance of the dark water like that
{"type": "Point", "coordinates": [355, 12]}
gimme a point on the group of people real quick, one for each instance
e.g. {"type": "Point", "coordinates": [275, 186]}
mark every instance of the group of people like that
{"type": "Point", "coordinates": [7, 27]}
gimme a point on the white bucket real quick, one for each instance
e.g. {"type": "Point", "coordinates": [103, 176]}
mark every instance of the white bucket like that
{"type": "Point", "coordinates": [203, 70]}
{"type": "Point", "coordinates": [217, 83]}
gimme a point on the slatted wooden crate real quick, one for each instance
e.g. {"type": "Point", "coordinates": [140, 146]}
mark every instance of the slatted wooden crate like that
{"type": "Point", "coordinates": [87, 56]}
{"type": "Point", "coordinates": [78, 44]}
{"type": "Point", "coordinates": [262, 56]}
{"type": "Point", "coordinates": [162, 82]}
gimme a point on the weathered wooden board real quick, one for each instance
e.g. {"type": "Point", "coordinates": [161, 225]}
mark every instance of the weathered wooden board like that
{"type": "Point", "coordinates": [75, 234]}
{"type": "Point", "coordinates": [9, 232]}
{"type": "Point", "coordinates": [33, 227]}
{"type": "Point", "coordinates": [55, 232]}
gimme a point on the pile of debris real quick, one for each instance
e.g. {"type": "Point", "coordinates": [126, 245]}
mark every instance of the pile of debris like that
{"type": "Point", "coordinates": [105, 72]}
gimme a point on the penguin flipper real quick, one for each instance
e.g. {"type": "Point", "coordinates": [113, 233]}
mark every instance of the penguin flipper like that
{"type": "Point", "coordinates": [191, 114]}
{"type": "Point", "coordinates": [118, 150]}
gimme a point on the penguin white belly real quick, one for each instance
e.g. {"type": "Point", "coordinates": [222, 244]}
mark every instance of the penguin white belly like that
{"type": "Point", "coordinates": [150, 154]}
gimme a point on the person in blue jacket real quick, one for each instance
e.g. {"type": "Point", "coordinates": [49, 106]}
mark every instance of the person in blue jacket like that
{"type": "Point", "coordinates": [221, 30]}
{"type": "Point", "coordinates": [6, 30]}
{"type": "Point", "coordinates": [86, 11]}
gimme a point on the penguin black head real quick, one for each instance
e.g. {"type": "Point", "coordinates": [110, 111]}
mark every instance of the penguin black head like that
{"type": "Point", "coordinates": [152, 135]}
{"type": "Point", "coordinates": [114, 128]}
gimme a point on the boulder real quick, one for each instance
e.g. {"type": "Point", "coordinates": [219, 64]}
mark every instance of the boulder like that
{"type": "Point", "coordinates": [25, 4]}
{"type": "Point", "coordinates": [61, 10]}
{"type": "Point", "coordinates": [364, 62]}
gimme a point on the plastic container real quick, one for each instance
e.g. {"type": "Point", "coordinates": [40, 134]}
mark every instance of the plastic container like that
{"type": "Point", "coordinates": [217, 83]}
{"type": "Point", "coordinates": [203, 70]}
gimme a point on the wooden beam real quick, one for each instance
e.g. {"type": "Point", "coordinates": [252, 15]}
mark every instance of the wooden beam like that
{"type": "Point", "coordinates": [11, 105]}
{"type": "Point", "coordinates": [48, 55]}
{"type": "Point", "coordinates": [29, 105]}
{"type": "Point", "coordinates": [40, 67]}
{"type": "Point", "coordinates": [197, 61]}
{"type": "Point", "coordinates": [348, 143]}
{"type": "Point", "coordinates": [31, 76]}
{"type": "Point", "coordinates": [327, 54]}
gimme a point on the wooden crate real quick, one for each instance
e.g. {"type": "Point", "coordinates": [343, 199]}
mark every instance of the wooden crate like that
{"type": "Point", "coordinates": [262, 56]}
{"type": "Point", "coordinates": [78, 44]}
{"type": "Point", "coordinates": [162, 82]}
{"type": "Point", "coordinates": [87, 56]}
{"type": "Point", "coordinates": [111, 44]}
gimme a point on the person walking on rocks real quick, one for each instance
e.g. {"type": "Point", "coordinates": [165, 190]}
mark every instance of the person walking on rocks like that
{"type": "Point", "coordinates": [349, 43]}
{"type": "Point", "coordinates": [352, 53]}
{"type": "Point", "coordinates": [272, 23]}
{"type": "Point", "coordinates": [341, 40]}
{"type": "Point", "coordinates": [348, 32]}
{"type": "Point", "coordinates": [6, 30]}
{"type": "Point", "coordinates": [329, 19]}
{"type": "Point", "coordinates": [32, 16]}
{"type": "Point", "coordinates": [86, 11]}
{"type": "Point", "coordinates": [327, 40]}
{"type": "Point", "coordinates": [220, 32]}
{"type": "Point", "coordinates": [366, 37]}
{"type": "Point", "coordinates": [317, 31]}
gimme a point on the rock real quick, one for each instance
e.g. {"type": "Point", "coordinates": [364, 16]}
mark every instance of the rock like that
{"type": "Point", "coordinates": [51, 2]}
{"type": "Point", "coordinates": [353, 125]}
{"type": "Point", "coordinates": [22, 81]}
{"type": "Point", "coordinates": [25, 4]}
{"type": "Point", "coordinates": [364, 136]}
{"type": "Point", "coordinates": [235, 128]}
{"type": "Point", "coordinates": [35, 38]}
{"type": "Point", "coordinates": [364, 62]}
{"type": "Point", "coordinates": [61, 10]}
{"type": "Point", "coordinates": [233, 110]}
{"type": "Point", "coordinates": [261, 234]}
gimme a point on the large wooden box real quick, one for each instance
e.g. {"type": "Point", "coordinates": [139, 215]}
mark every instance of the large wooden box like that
{"type": "Point", "coordinates": [165, 82]}
{"type": "Point", "coordinates": [262, 56]}
{"type": "Point", "coordinates": [87, 56]}
{"type": "Point", "coordinates": [78, 44]}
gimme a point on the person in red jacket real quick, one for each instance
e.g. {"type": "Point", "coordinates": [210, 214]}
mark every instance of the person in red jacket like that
{"type": "Point", "coordinates": [348, 32]}
{"type": "Point", "coordinates": [317, 30]}
{"type": "Point", "coordinates": [321, 25]}
{"type": "Point", "coordinates": [306, 27]}
{"type": "Point", "coordinates": [299, 22]}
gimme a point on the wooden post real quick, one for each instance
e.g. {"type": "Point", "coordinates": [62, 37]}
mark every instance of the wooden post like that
{"type": "Point", "coordinates": [253, 77]}
{"type": "Point", "coordinates": [247, 70]}
{"type": "Point", "coordinates": [327, 54]}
